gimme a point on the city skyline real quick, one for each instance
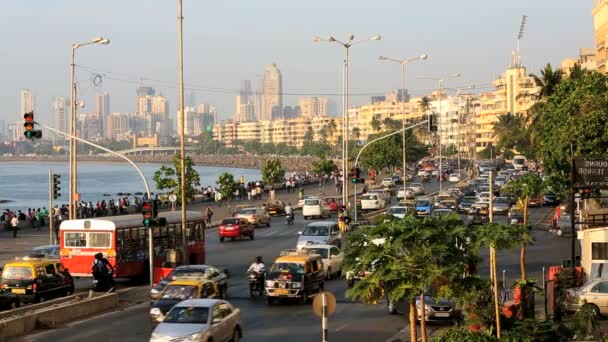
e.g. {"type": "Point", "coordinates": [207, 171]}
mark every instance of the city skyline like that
{"type": "Point", "coordinates": [216, 68]}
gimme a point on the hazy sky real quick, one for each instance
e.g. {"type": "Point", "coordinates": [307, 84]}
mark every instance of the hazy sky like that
{"type": "Point", "coordinates": [226, 41]}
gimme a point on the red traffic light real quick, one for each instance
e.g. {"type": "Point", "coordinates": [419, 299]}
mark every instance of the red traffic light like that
{"type": "Point", "coordinates": [28, 117]}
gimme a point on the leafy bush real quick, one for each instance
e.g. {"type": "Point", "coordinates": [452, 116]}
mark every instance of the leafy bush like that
{"type": "Point", "coordinates": [461, 334]}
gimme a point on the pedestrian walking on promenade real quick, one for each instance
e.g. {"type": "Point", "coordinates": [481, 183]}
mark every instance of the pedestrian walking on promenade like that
{"type": "Point", "coordinates": [272, 194]}
{"type": "Point", "coordinates": [14, 224]}
{"type": "Point", "coordinates": [208, 214]}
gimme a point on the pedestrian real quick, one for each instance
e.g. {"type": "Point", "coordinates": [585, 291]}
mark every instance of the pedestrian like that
{"type": "Point", "coordinates": [208, 214]}
{"type": "Point", "coordinates": [14, 224]}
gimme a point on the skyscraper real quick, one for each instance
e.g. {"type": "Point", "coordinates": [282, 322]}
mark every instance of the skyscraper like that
{"type": "Point", "coordinates": [272, 107]}
{"type": "Point", "coordinates": [60, 115]}
{"type": "Point", "coordinates": [28, 101]}
{"type": "Point", "coordinates": [102, 109]}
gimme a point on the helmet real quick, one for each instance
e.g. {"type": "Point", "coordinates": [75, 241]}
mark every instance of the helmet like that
{"type": "Point", "coordinates": [258, 259]}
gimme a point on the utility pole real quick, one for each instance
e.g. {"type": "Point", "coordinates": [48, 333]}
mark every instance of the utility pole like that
{"type": "Point", "coordinates": [181, 131]}
{"type": "Point", "coordinates": [51, 218]}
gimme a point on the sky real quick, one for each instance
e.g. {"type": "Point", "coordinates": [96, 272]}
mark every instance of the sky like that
{"type": "Point", "coordinates": [228, 41]}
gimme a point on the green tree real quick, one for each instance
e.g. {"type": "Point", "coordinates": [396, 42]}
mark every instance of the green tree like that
{"type": "Point", "coordinates": [169, 178]}
{"type": "Point", "coordinates": [576, 72]}
{"type": "Point", "coordinates": [323, 166]}
{"type": "Point", "coordinates": [530, 185]}
{"type": "Point", "coordinates": [316, 149]}
{"type": "Point", "coordinates": [450, 150]}
{"type": "Point", "coordinates": [489, 152]}
{"type": "Point", "coordinates": [391, 125]}
{"type": "Point", "coordinates": [227, 185]}
{"type": "Point", "coordinates": [309, 136]}
{"type": "Point", "coordinates": [547, 81]}
{"type": "Point", "coordinates": [356, 133]}
{"type": "Point", "coordinates": [273, 172]}
{"type": "Point", "coordinates": [376, 124]}
{"type": "Point", "coordinates": [512, 133]}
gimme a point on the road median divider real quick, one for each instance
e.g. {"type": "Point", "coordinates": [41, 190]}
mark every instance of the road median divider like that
{"type": "Point", "coordinates": [52, 314]}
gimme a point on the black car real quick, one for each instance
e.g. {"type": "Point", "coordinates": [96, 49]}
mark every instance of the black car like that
{"type": "Point", "coordinates": [219, 277]}
{"type": "Point", "coordinates": [8, 300]}
{"type": "Point", "coordinates": [550, 199]}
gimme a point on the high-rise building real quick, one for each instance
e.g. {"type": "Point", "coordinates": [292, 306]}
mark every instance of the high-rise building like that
{"type": "Point", "coordinates": [199, 119]}
{"type": "Point", "coordinates": [61, 116]}
{"type": "Point", "coordinates": [257, 100]}
{"type": "Point", "coordinates": [102, 109]}
{"type": "Point", "coordinates": [313, 106]}
{"type": "Point", "coordinates": [600, 24]}
{"type": "Point", "coordinates": [245, 103]}
{"type": "Point", "coordinates": [273, 93]}
{"type": "Point", "coordinates": [3, 130]}
{"type": "Point", "coordinates": [118, 125]}
{"type": "Point", "coordinates": [28, 101]}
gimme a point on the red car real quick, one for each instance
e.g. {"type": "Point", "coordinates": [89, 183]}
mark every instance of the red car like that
{"type": "Point", "coordinates": [235, 227]}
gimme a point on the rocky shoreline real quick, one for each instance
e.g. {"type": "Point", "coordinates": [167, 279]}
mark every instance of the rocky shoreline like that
{"type": "Point", "coordinates": [244, 161]}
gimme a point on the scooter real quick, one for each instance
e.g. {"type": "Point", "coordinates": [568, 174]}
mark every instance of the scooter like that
{"type": "Point", "coordinates": [289, 218]}
{"type": "Point", "coordinates": [256, 284]}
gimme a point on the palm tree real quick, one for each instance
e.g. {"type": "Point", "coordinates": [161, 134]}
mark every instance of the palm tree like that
{"type": "Point", "coordinates": [425, 104]}
{"type": "Point", "coordinates": [390, 124]}
{"type": "Point", "coordinates": [356, 133]}
{"type": "Point", "coordinates": [548, 81]}
{"type": "Point", "coordinates": [331, 127]}
{"type": "Point", "coordinates": [376, 124]}
{"type": "Point", "coordinates": [577, 72]}
{"type": "Point", "coordinates": [309, 136]}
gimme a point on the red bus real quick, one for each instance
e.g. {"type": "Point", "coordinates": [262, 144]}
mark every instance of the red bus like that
{"type": "Point", "coordinates": [123, 240]}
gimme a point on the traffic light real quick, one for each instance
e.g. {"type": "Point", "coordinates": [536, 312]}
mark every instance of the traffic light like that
{"type": "Point", "coordinates": [355, 176]}
{"type": "Point", "coordinates": [431, 126]}
{"type": "Point", "coordinates": [146, 211]}
{"type": "Point", "coordinates": [586, 193]}
{"type": "Point", "coordinates": [56, 188]}
{"type": "Point", "coordinates": [155, 208]}
{"type": "Point", "coordinates": [28, 126]}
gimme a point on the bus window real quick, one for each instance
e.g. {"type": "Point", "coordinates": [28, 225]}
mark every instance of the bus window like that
{"type": "Point", "coordinates": [71, 239]}
{"type": "Point", "coordinates": [100, 240]}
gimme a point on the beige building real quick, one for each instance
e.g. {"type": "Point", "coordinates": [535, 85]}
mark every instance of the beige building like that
{"type": "Point", "coordinates": [272, 106]}
{"type": "Point", "coordinates": [313, 107]}
{"type": "Point", "coordinates": [586, 59]}
{"type": "Point", "coordinates": [600, 24]}
{"type": "Point", "coordinates": [118, 126]}
{"type": "Point", "coordinates": [145, 141]}
{"type": "Point", "coordinates": [513, 93]}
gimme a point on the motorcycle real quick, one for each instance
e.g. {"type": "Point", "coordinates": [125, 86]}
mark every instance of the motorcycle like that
{"type": "Point", "coordinates": [289, 218]}
{"type": "Point", "coordinates": [256, 284]}
{"type": "Point", "coordinates": [102, 284]}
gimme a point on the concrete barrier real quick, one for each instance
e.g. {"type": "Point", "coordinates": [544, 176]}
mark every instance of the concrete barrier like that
{"type": "Point", "coordinates": [34, 307]}
{"type": "Point", "coordinates": [55, 315]}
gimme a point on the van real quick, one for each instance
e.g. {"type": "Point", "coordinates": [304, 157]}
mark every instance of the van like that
{"type": "Point", "coordinates": [297, 275]}
{"type": "Point", "coordinates": [36, 279]}
{"type": "Point", "coordinates": [315, 207]}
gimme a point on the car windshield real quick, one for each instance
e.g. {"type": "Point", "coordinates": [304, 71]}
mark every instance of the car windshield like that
{"type": "Point", "coordinates": [17, 273]}
{"type": "Point", "coordinates": [247, 211]}
{"type": "Point", "coordinates": [187, 315]}
{"type": "Point", "coordinates": [469, 200]}
{"type": "Point", "coordinates": [311, 202]}
{"type": "Point", "coordinates": [180, 292]}
{"type": "Point", "coordinates": [369, 197]}
{"type": "Point", "coordinates": [397, 211]}
{"type": "Point", "coordinates": [287, 267]}
{"type": "Point", "coordinates": [184, 271]}
{"type": "Point", "coordinates": [316, 231]}
{"type": "Point", "coordinates": [441, 212]}
{"type": "Point", "coordinates": [45, 250]}
{"type": "Point", "coordinates": [320, 251]}
{"type": "Point", "coordinates": [502, 200]}
{"type": "Point", "coordinates": [230, 221]}
{"type": "Point", "coordinates": [424, 203]}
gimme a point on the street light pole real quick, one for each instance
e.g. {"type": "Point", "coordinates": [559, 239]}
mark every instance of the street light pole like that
{"type": "Point", "coordinates": [403, 62]}
{"type": "Point", "coordinates": [73, 183]}
{"type": "Point", "coordinates": [350, 42]}
{"type": "Point", "coordinates": [182, 133]}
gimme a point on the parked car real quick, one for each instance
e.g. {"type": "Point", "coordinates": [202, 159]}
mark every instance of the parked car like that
{"type": "Point", "coordinates": [593, 294]}
{"type": "Point", "coordinates": [372, 201]}
{"type": "Point", "coordinates": [234, 227]}
{"type": "Point", "coordinates": [254, 216]}
{"type": "Point", "coordinates": [320, 233]}
{"type": "Point", "coordinates": [179, 290]}
{"type": "Point", "coordinates": [424, 206]}
{"type": "Point", "coordinates": [49, 251]}
{"type": "Point", "coordinates": [8, 300]}
{"type": "Point", "coordinates": [315, 207]}
{"type": "Point", "coordinates": [454, 178]}
{"type": "Point", "coordinates": [397, 211]}
{"type": "Point", "coordinates": [200, 320]}
{"type": "Point", "coordinates": [214, 274]}
{"type": "Point", "coordinates": [332, 257]}
{"type": "Point", "coordinates": [501, 205]}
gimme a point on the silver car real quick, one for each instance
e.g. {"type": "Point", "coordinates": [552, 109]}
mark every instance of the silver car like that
{"type": "Point", "coordinates": [320, 233]}
{"type": "Point", "coordinates": [200, 320]}
{"type": "Point", "coordinates": [501, 205]}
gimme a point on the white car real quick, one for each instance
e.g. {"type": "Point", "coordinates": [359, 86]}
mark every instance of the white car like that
{"type": "Point", "coordinates": [200, 320]}
{"type": "Point", "coordinates": [304, 198]}
{"type": "Point", "coordinates": [388, 182]}
{"type": "Point", "coordinates": [435, 173]}
{"type": "Point", "coordinates": [332, 257]}
{"type": "Point", "coordinates": [315, 207]}
{"type": "Point", "coordinates": [418, 188]}
{"type": "Point", "coordinates": [421, 173]}
{"type": "Point", "coordinates": [454, 178]}
{"type": "Point", "coordinates": [484, 197]}
{"type": "Point", "coordinates": [405, 193]}
{"type": "Point", "coordinates": [397, 211]}
{"type": "Point", "coordinates": [372, 201]}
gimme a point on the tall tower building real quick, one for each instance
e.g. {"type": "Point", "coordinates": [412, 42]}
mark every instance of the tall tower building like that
{"type": "Point", "coordinates": [60, 115]}
{"type": "Point", "coordinates": [102, 109]}
{"type": "Point", "coordinates": [272, 107]}
{"type": "Point", "coordinates": [28, 101]}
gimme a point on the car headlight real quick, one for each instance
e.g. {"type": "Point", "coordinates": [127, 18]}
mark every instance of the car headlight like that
{"type": "Point", "coordinates": [194, 337]}
{"type": "Point", "coordinates": [296, 285]}
{"type": "Point", "coordinates": [154, 291]}
{"type": "Point", "coordinates": [269, 283]}
{"type": "Point", "coordinates": [155, 312]}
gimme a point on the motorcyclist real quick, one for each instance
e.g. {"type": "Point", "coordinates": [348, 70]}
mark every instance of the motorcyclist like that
{"type": "Point", "coordinates": [258, 268]}
{"type": "Point", "coordinates": [289, 211]}
{"type": "Point", "coordinates": [102, 272]}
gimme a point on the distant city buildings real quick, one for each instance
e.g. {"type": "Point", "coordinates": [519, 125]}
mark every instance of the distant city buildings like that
{"type": "Point", "coordinates": [313, 106]}
{"type": "Point", "coordinates": [199, 119]}
{"type": "Point", "coordinates": [61, 114]}
{"type": "Point", "coordinates": [600, 24]}
{"type": "Point", "coordinates": [28, 101]}
{"type": "Point", "coordinates": [119, 126]}
{"type": "Point", "coordinates": [272, 93]}
{"type": "Point", "coordinates": [102, 109]}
